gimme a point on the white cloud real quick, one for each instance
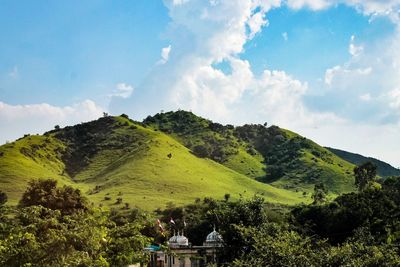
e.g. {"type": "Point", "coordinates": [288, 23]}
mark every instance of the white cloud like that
{"type": "Point", "coordinates": [355, 50]}
{"type": "Point", "coordinates": [368, 7]}
{"type": "Point", "coordinates": [312, 4]}
{"type": "Point", "coordinates": [122, 90]}
{"type": "Point", "coordinates": [179, 2]}
{"type": "Point", "coordinates": [17, 120]}
{"type": "Point", "coordinates": [256, 22]}
{"type": "Point", "coordinates": [343, 76]}
{"type": "Point", "coordinates": [285, 36]}
{"type": "Point", "coordinates": [204, 33]}
{"type": "Point", "coordinates": [394, 99]}
{"type": "Point", "coordinates": [165, 55]}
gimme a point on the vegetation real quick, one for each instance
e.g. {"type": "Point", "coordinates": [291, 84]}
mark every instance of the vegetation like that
{"type": "Point", "coordinates": [355, 229]}
{"type": "Point", "coordinates": [364, 175]}
{"type": "Point", "coordinates": [115, 154]}
{"type": "Point", "coordinates": [40, 233]}
{"type": "Point", "coordinates": [383, 169]}
{"type": "Point", "coordinates": [269, 154]}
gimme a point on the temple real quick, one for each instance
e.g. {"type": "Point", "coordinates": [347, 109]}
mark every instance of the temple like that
{"type": "Point", "coordinates": [181, 253]}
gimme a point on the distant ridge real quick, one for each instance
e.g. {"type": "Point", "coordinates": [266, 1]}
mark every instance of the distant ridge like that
{"type": "Point", "coordinates": [384, 169]}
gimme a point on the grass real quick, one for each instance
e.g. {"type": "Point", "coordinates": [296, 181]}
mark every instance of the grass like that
{"type": "Point", "coordinates": [250, 165]}
{"type": "Point", "coordinates": [31, 157]}
{"type": "Point", "coordinates": [139, 171]}
{"type": "Point", "coordinates": [317, 164]}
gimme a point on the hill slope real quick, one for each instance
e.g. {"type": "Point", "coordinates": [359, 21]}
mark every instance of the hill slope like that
{"type": "Point", "coordinates": [269, 154]}
{"type": "Point", "coordinates": [383, 169]}
{"type": "Point", "coordinates": [114, 157]}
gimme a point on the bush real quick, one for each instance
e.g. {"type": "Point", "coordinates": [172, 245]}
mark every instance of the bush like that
{"type": "Point", "coordinates": [46, 193]}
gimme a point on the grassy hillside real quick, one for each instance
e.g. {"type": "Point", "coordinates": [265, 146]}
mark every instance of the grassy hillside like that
{"type": "Point", "coordinates": [383, 169]}
{"type": "Point", "coordinates": [116, 161]}
{"type": "Point", "coordinates": [31, 157]}
{"type": "Point", "coordinates": [269, 154]}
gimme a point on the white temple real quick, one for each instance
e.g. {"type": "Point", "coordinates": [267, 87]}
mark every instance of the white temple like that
{"type": "Point", "coordinates": [181, 253]}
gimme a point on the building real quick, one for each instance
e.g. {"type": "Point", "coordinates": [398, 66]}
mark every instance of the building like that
{"type": "Point", "coordinates": [181, 253]}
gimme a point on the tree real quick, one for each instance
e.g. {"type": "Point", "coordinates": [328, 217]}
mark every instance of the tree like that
{"type": "Point", "coordinates": [44, 237]}
{"type": "Point", "coordinates": [364, 175]}
{"type": "Point", "coordinates": [46, 193]}
{"type": "Point", "coordinates": [202, 151]}
{"type": "Point", "coordinates": [227, 197]}
{"type": "Point", "coordinates": [3, 198]}
{"type": "Point", "coordinates": [319, 194]}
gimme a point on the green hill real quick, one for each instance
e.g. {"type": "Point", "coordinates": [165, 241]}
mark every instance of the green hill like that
{"type": "Point", "coordinates": [268, 154]}
{"type": "Point", "coordinates": [383, 169]}
{"type": "Point", "coordinates": [116, 161]}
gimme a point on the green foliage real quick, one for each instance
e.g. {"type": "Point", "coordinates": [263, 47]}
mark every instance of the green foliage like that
{"type": "Point", "coordinates": [319, 194]}
{"type": "Point", "coordinates": [383, 169]}
{"type": "Point", "coordinates": [45, 193]}
{"type": "Point", "coordinates": [269, 154]}
{"type": "Point", "coordinates": [275, 245]}
{"type": "Point", "coordinates": [39, 236]}
{"type": "Point", "coordinates": [43, 237]}
{"type": "Point", "coordinates": [126, 244]}
{"type": "Point", "coordinates": [375, 209]}
{"type": "Point", "coordinates": [365, 175]}
{"type": "Point", "coordinates": [205, 138]}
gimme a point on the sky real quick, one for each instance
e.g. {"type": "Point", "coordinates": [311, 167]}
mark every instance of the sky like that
{"type": "Point", "coordinates": [327, 69]}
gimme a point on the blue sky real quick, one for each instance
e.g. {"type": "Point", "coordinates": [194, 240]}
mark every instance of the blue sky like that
{"type": "Point", "coordinates": [327, 69]}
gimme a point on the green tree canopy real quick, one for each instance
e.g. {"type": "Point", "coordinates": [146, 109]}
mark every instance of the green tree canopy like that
{"type": "Point", "coordinates": [46, 193]}
{"type": "Point", "coordinates": [364, 175]}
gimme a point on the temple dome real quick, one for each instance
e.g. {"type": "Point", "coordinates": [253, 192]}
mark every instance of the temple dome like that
{"type": "Point", "coordinates": [182, 240]}
{"type": "Point", "coordinates": [178, 241]}
{"type": "Point", "coordinates": [214, 239]}
{"type": "Point", "coordinates": [214, 236]}
{"type": "Point", "coordinates": [173, 239]}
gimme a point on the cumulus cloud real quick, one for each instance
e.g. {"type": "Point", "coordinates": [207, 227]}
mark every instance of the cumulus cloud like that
{"type": "Point", "coordinates": [17, 120]}
{"type": "Point", "coordinates": [355, 50]}
{"type": "Point", "coordinates": [368, 7]}
{"type": "Point", "coordinates": [341, 74]}
{"type": "Point", "coordinates": [394, 99]}
{"type": "Point", "coordinates": [205, 33]}
{"type": "Point", "coordinates": [165, 55]}
{"type": "Point", "coordinates": [122, 90]}
{"type": "Point", "coordinates": [312, 4]}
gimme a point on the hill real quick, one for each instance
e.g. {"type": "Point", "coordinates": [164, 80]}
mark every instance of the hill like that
{"type": "Point", "coordinates": [268, 154]}
{"type": "Point", "coordinates": [383, 169]}
{"type": "Point", "coordinates": [115, 160]}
